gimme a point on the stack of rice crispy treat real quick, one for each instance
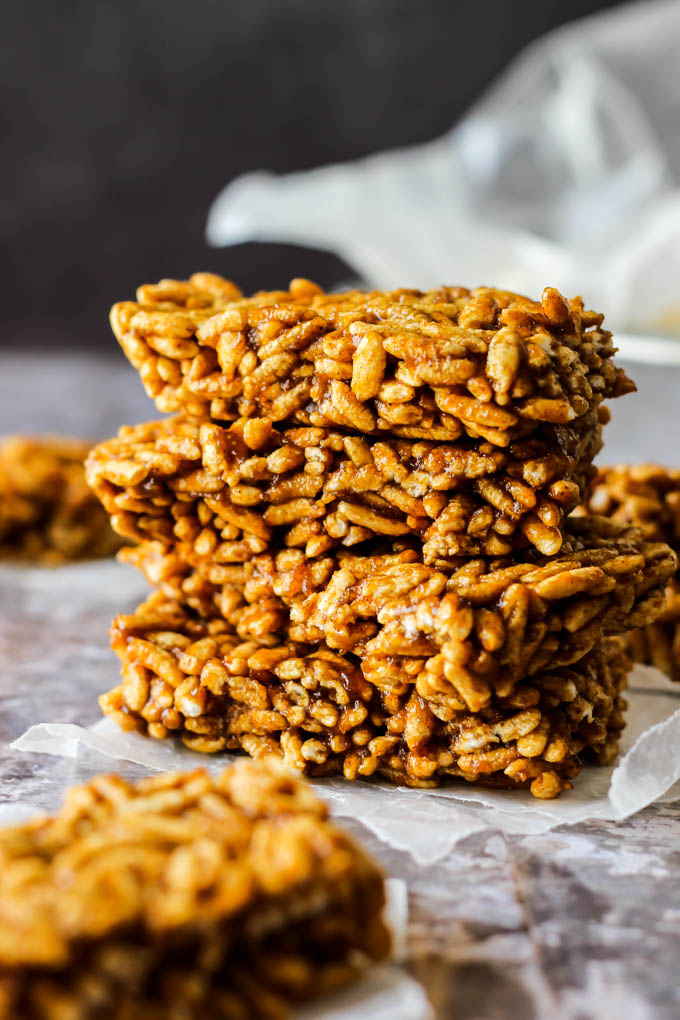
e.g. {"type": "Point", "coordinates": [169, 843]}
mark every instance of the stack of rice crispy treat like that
{"type": "Point", "coordinates": [359, 528]}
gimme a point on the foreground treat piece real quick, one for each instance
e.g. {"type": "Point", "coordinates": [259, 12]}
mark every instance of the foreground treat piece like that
{"type": "Point", "coordinates": [184, 676]}
{"type": "Point", "coordinates": [228, 493]}
{"type": "Point", "coordinates": [47, 512]}
{"type": "Point", "coordinates": [648, 496]}
{"type": "Point", "coordinates": [464, 632]}
{"type": "Point", "coordinates": [436, 365]}
{"type": "Point", "coordinates": [183, 896]}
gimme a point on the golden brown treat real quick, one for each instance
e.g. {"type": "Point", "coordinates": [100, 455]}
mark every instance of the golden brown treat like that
{"type": "Point", "coordinates": [48, 514]}
{"type": "Point", "coordinates": [473, 629]}
{"type": "Point", "coordinates": [647, 496]}
{"type": "Point", "coordinates": [185, 676]}
{"type": "Point", "coordinates": [438, 365]}
{"type": "Point", "coordinates": [184, 895]}
{"type": "Point", "coordinates": [233, 492]}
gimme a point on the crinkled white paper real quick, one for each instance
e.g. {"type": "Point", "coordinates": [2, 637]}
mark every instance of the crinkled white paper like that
{"type": "Point", "coordinates": [566, 172]}
{"type": "Point", "coordinates": [427, 823]}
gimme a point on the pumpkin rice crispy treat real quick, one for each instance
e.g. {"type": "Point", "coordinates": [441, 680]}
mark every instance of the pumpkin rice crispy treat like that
{"type": "Point", "coordinates": [232, 491]}
{"type": "Point", "coordinates": [183, 895]}
{"type": "Point", "coordinates": [648, 496]}
{"type": "Point", "coordinates": [487, 364]}
{"type": "Point", "coordinates": [48, 514]}
{"type": "Point", "coordinates": [197, 679]}
{"type": "Point", "coordinates": [471, 630]}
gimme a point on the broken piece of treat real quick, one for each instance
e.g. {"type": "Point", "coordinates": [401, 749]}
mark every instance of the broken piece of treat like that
{"type": "Point", "coordinates": [184, 895]}
{"type": "Point", "coordinates": [232, 492]}
{"type": "Point", "coordinates": [468, 630]}
{"type": "Point", "coordinates": [48, 515]}
{"type": "Point", "coordinates": [198, 680]}
{"type": "Point", "coordinates": [648, 496]}
{"type": "Point", "coordinates": [436, 365]}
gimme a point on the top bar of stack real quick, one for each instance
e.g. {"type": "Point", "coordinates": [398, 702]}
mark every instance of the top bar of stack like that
{"type": "Point", "coordinates": [438, 365]}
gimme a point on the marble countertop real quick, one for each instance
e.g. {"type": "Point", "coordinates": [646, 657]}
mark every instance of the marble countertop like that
{"type": "Point", "coordinates": [580, 922]}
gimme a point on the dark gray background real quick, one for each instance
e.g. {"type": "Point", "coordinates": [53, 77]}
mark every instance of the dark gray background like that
{"type": "Point", "coordinates": [122, 119]}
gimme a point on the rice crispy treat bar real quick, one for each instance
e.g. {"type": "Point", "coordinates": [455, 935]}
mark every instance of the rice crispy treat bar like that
{"type": "Point", "coordinates": [196, 679]}
{"type": "Point", "coordinates": [469, 632]}
{"type": "Point", "coordinates": [647, 496]}
{"type": "Point", "coordinates": [485, 363]}
{"type": "Point", "coordinates": [184, 895]}
{"type": "Point", "coordinates": [48, 514]}
{"type": "Point", "coordinates": [232, 492]}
